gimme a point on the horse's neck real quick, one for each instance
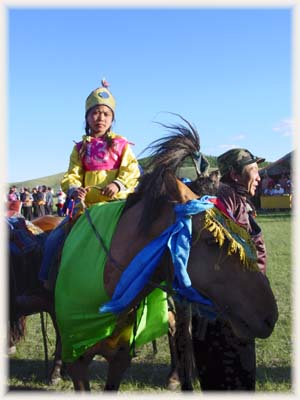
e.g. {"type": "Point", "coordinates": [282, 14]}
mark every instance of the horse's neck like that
{"type": "Point", "coordinates": [128, 241]}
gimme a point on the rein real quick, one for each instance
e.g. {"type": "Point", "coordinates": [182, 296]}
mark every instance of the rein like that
{"type": "Point", "coordinates": [169, 290]}
{"type": "Point", "coordinates": [165, 288]}
{"type": "Point", "coordinates": [100, 239]}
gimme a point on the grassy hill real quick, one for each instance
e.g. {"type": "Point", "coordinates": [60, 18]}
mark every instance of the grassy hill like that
{"type": "Point", "coordinates": [187, 170]}
{"type": "Point", "coordinates": [53, 181]}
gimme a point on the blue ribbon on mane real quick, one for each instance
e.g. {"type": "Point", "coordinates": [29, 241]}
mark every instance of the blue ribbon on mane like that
{"type": "Point", "coordinates": [178, 239]}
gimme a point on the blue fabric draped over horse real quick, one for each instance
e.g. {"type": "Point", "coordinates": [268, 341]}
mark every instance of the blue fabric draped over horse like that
{"type": "Point", "coordinates": [177, 239]}
{"type": "Point", "coordinates": [227, 279]}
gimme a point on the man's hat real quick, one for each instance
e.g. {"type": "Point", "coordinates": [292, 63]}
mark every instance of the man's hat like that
{"type": "Point", "coordinates": [236, 159]}
{"type": "Point", "coordinates": [101, 96]}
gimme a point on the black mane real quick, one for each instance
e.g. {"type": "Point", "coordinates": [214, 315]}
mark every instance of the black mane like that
{"type": "Point", "coordinates": [169, 152]}
{"type": "Point", "coordinates": [158, 185]}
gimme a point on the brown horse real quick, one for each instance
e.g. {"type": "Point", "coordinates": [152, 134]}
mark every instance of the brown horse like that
{"type": "Point", "coordinates": [26, 241]}
{"type": "Point", "coordinates": [26, 295]}
{"type": "Point", "coordinates": [223, 279]}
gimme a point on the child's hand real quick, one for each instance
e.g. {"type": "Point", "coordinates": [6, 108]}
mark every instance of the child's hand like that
{"type": "Point", "coordinates": [110, 190]}
{"type": "Point", "coordinates": [79, 193]}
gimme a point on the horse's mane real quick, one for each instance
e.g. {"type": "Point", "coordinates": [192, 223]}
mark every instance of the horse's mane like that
{"type": "Point", "coordinates": [158, 185]}
{"type": "Point", "coordinates": [170, 151]}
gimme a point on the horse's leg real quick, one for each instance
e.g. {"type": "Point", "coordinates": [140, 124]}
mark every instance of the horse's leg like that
{"type": "Point", "coordinates": [154, 347]}
{"type": "Point", "coordinates": [183, 338]}
{"type": "Point", "coordinates": [57, 369]}
{"type": "Point", "coordinates": [78, 371]}
{"type": "Point", "coordinates": [173, 380]}
{"type": "Point", "coordinates": [117, 365]}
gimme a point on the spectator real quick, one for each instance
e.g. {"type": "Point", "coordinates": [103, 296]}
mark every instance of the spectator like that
{"type": "Point", "coordinates": [266, 183]}
{"type": "Point", "coordinates": [34, 202]}
{"type": "Point", "coordinates": [60, 203]}
{"type": "Point", "coordinates": [49, 201]}
{"type": "Point", "coordinates": [12, 194]}
{"type": "Point", "coordinates": [283, 181]}
{"type": "Point", "coordinates": [14, 205]}
{"type": "Point", "coordinates": [22, 194]}
{"type": "Point", "coordinates": [277, 190]}
{"type": "Point", "coordinates": [268, 191]}
{"type": "Point", "coordinates": [40, 198]}
{"type": "Point", "coordinates": [289, 187]}
{"type": "Point", "coordinates": [27, 205]}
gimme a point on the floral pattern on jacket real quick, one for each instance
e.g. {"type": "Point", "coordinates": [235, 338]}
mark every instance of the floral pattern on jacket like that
{"type": "Point", "coordinates": [100, 165]}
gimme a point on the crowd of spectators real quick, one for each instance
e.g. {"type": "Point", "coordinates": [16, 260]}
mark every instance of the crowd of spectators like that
{"type": "Point", "coordinates": [276, 187]}
{"type": "Point", "coordinates": [38, 201]}
{"type": "Point", "coordinates": [42, 200]}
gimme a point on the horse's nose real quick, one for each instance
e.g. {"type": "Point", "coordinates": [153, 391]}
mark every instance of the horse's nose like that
{"type": "Point", "coordinates": [270, 322]}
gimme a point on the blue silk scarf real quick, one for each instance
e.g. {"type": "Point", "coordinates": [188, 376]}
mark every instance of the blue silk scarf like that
{"type": "Point", "coordinates": [177, 238]}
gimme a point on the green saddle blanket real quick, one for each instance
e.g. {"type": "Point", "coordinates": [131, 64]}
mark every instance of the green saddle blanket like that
{"type": "Point", "coordinates": [80, 290]}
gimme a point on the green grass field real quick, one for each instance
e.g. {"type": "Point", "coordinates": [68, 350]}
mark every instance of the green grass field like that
{"type": "Point", "coordinates": [26, 369]}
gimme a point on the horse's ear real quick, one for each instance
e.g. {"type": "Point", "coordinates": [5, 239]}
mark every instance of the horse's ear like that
{"type": "Point", "coordinates": [177, 190]}
{"type": "Point", "coordinates": [185, 192]}
{"type": "Point", "coordinates": [215, 177]}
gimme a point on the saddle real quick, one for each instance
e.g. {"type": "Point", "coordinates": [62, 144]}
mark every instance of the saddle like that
{"type": "Point", "coordinates": [23, 240]}
{"type": "Point", "coordinates": [45, 223]}
{"type": "Point", "coordinates": [25, 251]}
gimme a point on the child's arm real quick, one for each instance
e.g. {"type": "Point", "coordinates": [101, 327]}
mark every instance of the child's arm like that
{"type": "Point", "coordinates": [127, 178]}
{"type": "Point", "coordinates": [74, 177]}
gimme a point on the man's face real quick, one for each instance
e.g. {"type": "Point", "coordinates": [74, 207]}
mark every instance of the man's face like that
{"type": "Point", "coordinates": [250, 178]}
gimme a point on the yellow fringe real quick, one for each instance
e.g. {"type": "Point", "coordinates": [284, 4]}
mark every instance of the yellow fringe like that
{"type": "Point", "coordinates": [221, 233]}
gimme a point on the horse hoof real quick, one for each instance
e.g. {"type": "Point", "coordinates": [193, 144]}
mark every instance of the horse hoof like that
{"type": "Point", "coordinates": [54, 380]}
{"type": "Point", "coordinates": [56, 376]}
{"type": "Point", "coordinates": [12, 350]}
{"type": "Point", "coordinates": [173, 385]}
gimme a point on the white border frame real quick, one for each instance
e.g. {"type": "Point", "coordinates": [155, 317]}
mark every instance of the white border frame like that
{"type": "Point", "coordinates": [4, 6]}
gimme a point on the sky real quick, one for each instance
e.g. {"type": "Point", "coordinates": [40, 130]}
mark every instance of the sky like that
{"type": "Point", "coordinates": [228, 71]}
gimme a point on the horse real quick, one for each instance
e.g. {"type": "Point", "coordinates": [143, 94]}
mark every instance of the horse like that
{"type": "Point", "coordinates": [26, 241]}
{"type": "Point", "coordinates": [223, 278]}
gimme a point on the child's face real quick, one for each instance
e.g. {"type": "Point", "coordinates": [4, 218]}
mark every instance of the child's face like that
{"type": "Point", "coordinates": [100, 119]}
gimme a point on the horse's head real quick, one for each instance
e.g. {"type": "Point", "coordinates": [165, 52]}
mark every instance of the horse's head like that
{"type": "Point", "coordinates": [240, 292]}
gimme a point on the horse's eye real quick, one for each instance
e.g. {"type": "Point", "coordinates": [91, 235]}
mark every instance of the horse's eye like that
{"type": "Point", "coordinates": [211, 241]}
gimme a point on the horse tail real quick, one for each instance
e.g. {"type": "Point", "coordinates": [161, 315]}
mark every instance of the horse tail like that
{"type": "Point", "coordinates": [17, 330]}
{"type": "Point", "coordinates": [24, 258]}
{"type": "Point", "coordinates": [16, 323]}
